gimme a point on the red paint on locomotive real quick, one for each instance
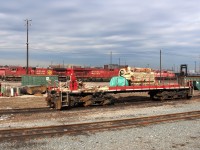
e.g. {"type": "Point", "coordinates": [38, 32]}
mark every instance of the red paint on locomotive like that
{"type": "Point", "coordinates": [87, 74]}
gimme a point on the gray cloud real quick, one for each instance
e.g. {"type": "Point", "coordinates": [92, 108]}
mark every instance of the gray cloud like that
{"type": "Point", "coordinates": [86, 31]}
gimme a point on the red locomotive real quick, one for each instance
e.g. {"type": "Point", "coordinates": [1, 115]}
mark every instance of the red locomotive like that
{"type": "Point", "coordinates": [165, 74]}
{"type": "Point", "coordinates": [14, 73]}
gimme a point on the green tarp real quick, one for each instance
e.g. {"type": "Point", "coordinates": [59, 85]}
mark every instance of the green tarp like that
{"type": "Point", "coordinates": [118, 81]}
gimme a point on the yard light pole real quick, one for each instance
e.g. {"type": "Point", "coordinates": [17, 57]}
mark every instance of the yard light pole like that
{"type": "Point", "coordinates": [27, 25]}
{"type": "Point", "coordinates": [111, 60]}
{"type": "Point", "coordinates": [160, 65]}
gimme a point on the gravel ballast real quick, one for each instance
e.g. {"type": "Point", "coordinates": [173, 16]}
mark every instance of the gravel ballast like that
{"type": "Point", "coordinates": [183, 135]}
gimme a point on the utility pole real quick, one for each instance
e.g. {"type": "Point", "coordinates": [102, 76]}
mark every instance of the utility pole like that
{"type": "Point", "coordinates": [160, 66]}
{"type": "Point", "coordinates": [27, 59]}
{"type": "Point", "coordinates": [174, 68]}
{"type": "Point", "coordinates": [111, 60]}
{"type": "Point", "coordinates": [199, 65]}
{"type": "Point", "coordinates": [111, 57]}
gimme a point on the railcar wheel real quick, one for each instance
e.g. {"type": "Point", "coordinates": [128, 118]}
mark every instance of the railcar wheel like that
{"type": "Point", "coordinates": [162, 98]}
{"type": "Point", "coordinates": [108, 102]}
{"type": "Point", "coordinates": [189, 97]}
{"type": "Point", "coordinates": [88, 103]}
{"type": "Point", "coordinates": [152, 96]}
{"type": "Point", "coordinates": [163, 95]}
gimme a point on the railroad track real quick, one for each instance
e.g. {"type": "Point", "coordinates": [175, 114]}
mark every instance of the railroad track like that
{"type": "Point", "coordinates": [71, 129]}
{"type": "Point", "coordinates": [119, 103]}
{"type": "Point", "coordinates": [24, 111]}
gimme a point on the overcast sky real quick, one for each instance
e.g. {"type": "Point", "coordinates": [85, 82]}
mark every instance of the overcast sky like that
{"type": "Point", "coordinates": [85, 32]}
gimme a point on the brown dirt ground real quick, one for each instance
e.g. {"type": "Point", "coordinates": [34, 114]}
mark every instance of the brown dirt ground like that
{"type": "Point", "coordinates": [20, 102]}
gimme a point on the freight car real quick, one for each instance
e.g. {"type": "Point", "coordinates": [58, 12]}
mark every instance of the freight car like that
{"type": "Point", "coordinates": [73, 92]}
{"type": "Point", "coordinates": [14, 73]}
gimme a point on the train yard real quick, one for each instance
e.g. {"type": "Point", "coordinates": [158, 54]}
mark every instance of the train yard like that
{"type": "Point", "coordinates": [95, 75]}
{"type": "Point", "coordinates": [133, 100]}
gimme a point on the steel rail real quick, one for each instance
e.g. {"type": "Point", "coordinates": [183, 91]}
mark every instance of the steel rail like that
{"type": "Point", "coordinates": [35, 132]}
{"type": "Point", "coordinates": [24, 110]}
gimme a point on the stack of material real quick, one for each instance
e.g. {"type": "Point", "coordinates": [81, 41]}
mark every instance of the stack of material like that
{"type": "Point", "coordinates": [34, 89]}
{"type": "Point", "coordinates": [138, 76]}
